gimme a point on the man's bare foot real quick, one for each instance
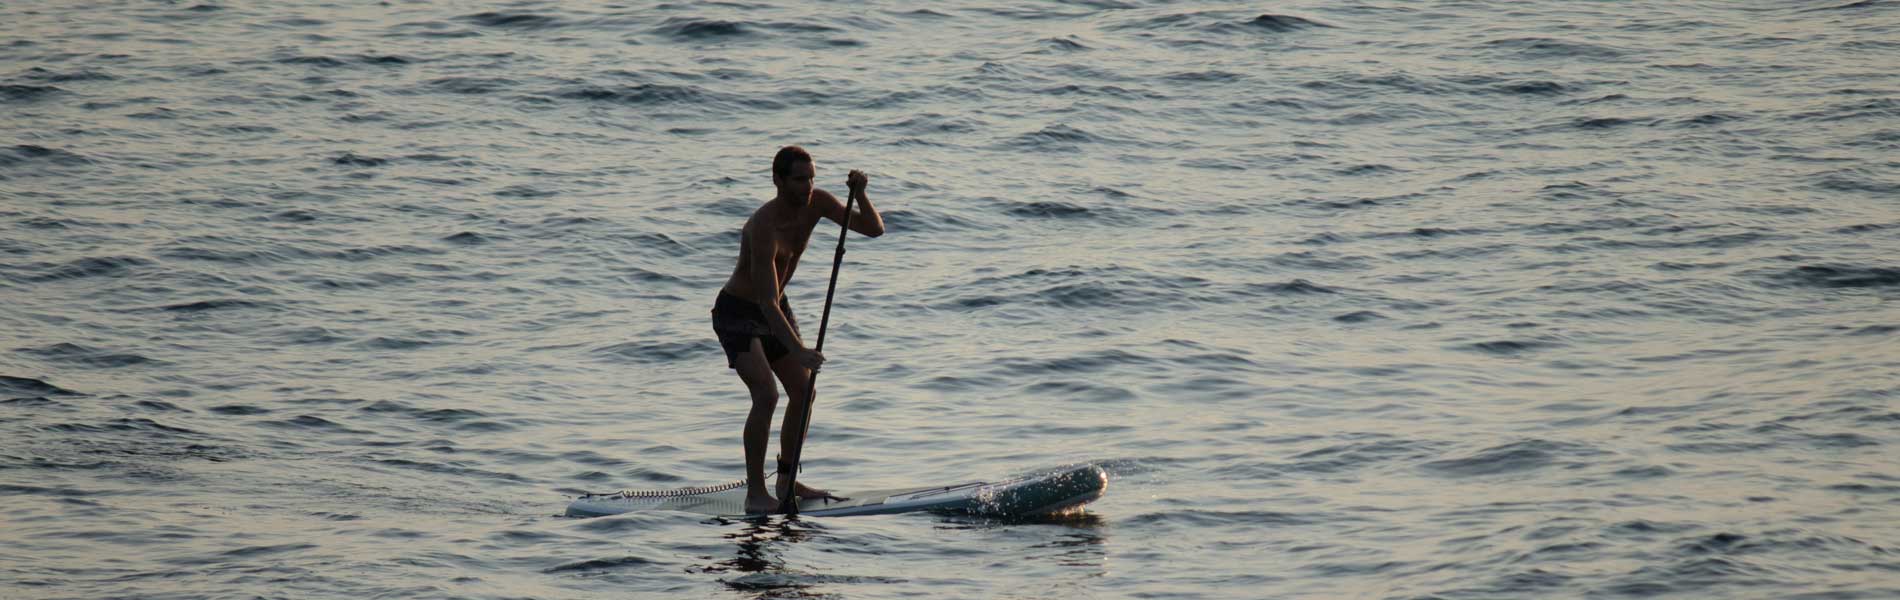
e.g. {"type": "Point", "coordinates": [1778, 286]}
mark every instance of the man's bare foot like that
{"type": "Point", "coordinates": [806, 492]}
{"type": "Point", "coordinates": [760, 505]}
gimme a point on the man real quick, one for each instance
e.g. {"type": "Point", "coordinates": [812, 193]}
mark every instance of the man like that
{"type": "Point", "coordinates": [754, 323]}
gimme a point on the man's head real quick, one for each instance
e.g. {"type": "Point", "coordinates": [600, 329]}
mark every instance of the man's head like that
{"type": "Point", "coordinates": [792, 173]}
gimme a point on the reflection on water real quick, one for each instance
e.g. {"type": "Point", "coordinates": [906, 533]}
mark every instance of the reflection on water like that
{"type": "Point", "coordinates": [759, 559]}
{"type": "Point", "coordinates": [1066, 550]}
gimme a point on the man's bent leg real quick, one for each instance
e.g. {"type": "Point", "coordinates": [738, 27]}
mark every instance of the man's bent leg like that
{"type": "Point", "coordinates": [797, 381]}
{"type": "Point", "coordinates": [757, 375]}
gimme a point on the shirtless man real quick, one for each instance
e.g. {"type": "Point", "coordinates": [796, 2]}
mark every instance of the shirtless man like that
{"type": "Point", "coordinates": [755, 325]}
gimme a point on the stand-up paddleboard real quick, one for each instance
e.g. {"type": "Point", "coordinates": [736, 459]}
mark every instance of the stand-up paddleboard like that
{"type": "Point", "coordinates": [1024, 496]}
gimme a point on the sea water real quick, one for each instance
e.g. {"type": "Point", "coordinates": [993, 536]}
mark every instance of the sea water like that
{"type": "Point", "coordinates": [1352, 299]}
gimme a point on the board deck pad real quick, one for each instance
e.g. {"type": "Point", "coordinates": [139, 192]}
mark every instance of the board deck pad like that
{"type": "Point", "coordinates": [1028, 495]}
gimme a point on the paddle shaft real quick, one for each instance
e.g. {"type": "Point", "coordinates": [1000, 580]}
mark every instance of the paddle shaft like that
{"type": "Point", "coordinates": [811, 391]}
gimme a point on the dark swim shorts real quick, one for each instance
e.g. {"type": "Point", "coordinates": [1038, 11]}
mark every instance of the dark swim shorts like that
{"type": "Point", "coordinates": [738, 320]}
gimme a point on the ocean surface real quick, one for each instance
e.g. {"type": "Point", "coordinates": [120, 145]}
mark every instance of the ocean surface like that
{"type": "Point", "coordinates": [1361, 299]}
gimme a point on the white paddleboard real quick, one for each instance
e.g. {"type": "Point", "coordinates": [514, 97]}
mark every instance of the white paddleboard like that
{"type": "Point", "coordinates": [1029, 495]}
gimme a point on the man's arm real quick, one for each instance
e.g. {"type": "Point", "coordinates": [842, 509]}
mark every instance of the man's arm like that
{"type": "Point", "coordinates": [865, 219]}
{"type": "Point", "coordinates": [765, 287]}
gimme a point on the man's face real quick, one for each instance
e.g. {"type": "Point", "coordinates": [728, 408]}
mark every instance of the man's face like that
{"type": "Point", "coordinates": [796, 184]}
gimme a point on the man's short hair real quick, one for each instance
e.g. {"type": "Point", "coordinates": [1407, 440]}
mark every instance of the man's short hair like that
{"type": "Point", "coordinates": [788, 156]}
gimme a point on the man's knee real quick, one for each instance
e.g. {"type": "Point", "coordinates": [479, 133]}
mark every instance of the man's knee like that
{"type": "Point", "coordinates": [765, 398]}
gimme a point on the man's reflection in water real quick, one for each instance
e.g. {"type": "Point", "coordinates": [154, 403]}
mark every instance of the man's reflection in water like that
{"type": "Point", "coordinates": [759, 565]}
{"type": "Point", "coordinates": [1077, 547]}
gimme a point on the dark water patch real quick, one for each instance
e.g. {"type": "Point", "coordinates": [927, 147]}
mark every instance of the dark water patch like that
{"type": "Point", "coordinates": [1078, 390]}
{"type": "Point", "coordinates": [1272, 23]}
{"type": "Point", "coordinates": [1297, 287]}
{"type": "Point", "coordinates": [1837, 276]}
{"type": "Point", "coordinates": [1872, 330]}
{"type": "Point", "coordinates": [1531, 88]}
{"type": "Point", "coordinates": [1875, 108]}
{"type": "Point", "coordinates": [469, 85]}
{"type": "Point", "coordinates": [654, 352]}
{"type": "Point", "coordinates": [1854, 181]}
{"type": "Point", "coordinates": [1054, 138]}
{"type": "Point", "coordinates": [693, 29]}
{"type": "Point", "coordinates": [211, 305]}
{"type": "Point", "coordinates": [1204, 520]}
{"type": "Point", "coordinates": [934, 123]}
{"type": "Point", "coordinates": [1509, 348]}
{"type": "Point", "coordinates": [1865, 228]}
{"type": "Point", "coordinates": [1353, 456]}
{"type": "Point", "coordinates": [28, 154]}
{"type": "Point", "coordinates": [22, 387]}
{"type": "Point", "coordinates": [527, 190]}
{"type": "Point", "coordinates": [42, 74]}
{"type": "Point", "coordinates": [138, 425]}
{"type": "Point", "coordinates": [309, 423]}
{"type": "Point", "coordinates": [1365, 170]}
{"type": "Point", "coordinates": [645, 94]}
{"type": "Point", "coordinates": [1064, 44]}
{"type": "Point", "coordinates": [239, 410]}
{"type": "Point", "coordinates": [1515, 457]}
{"type": "Point", "coordinates": [1851, 6]}
{"type": "Point", "coordinates": [313, 61]}
{"type": "Point", "coordinates": [1091, 362]}
{"type": "Point", "coordinates": [15, 93]}
{"type": "Point", "coordinates": [1204, 77]}
{"type": "Point", "coordinates": [1863, 488]}
{"type": "Point", "coordinates": [1048, 210]}
{"type": "Point", "coordinates": [643, 276]}
{"type": "Point", "coordinates": [389, 343]}
{"type": "Point", "coordinates": [351, 159]}
{"type": "Point", "coordinates": [1540, 48]}
{"type": "Point", "coordinates": [1361, 316]}
{"type": "Point", "coordinates": [82, 355]}
{"type": "Point", "coordinates": [449, 469]}
{"type": "Point", "coordinates": [512, 20]}
{"type": "Point", "coordinates": [468, 238]}
{"type": "Point", "coordinates": [310, 336]}
{"type": "Point", "coordinates": [1711, 119]}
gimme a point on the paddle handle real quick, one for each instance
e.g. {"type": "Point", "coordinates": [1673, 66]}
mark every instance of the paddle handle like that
{"type": "Point", "coordinates": [811, 392]}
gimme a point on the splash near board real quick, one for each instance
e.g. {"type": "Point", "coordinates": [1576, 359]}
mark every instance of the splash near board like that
{"type": "Point", "coordinates": [1025, 496]}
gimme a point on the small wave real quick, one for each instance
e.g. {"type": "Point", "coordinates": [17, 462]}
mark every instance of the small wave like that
{"type": "Point", "coordinates": [210, 305]}
{"type": "Point", "coordinates": [1533, 88]}
{"type": "Point", "coordinates": [1202, 520]}
{"type": "Point", "coordinates": [654, 352]}
{"type": "Point", "coordinates": [1515, 457]}
{"type": "Point", "coordinates": [351, 159]}
{"type": "Point", "coordinates": [507, 20]}
{"type": "Point", "coordinates": [645, 94]}
{"type": "Point", "coordinates": [1876, 108]}
{"type": "Point", "coordinates": [1361, 316]}
{"type": "Point", "coordinates": [41, 74]}
{"type": "Point", "coordinates": [686, 28]}
{"type": "Point", "coordinates": [1550, 48]}
{"type": "Point", "coordinates": [82, 355]}
{"type": "Point", "coordinates": [1283, 23]}
{"type": "Point", "coordinates": [1297, 287]}
{"type": "Point", "coordinates": [1510, 347]}
{"type": "Point", "coordinates": [1862, 4]}
{"type": "Point", "coordinates": [469, 85]}
{"type": "Point", "coordinates": [1840, 276]}
{"type": "Point", "coordinates": [28, 153]}
{"type": "Point", "coordinates": [17, 387]}
{"type": "Point", "coordinates": [121, 426]}
{"type": "Point", "coordinates": [14, 93]}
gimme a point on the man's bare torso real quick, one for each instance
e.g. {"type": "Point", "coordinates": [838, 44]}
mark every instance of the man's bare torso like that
{"type": "Point", "coordinates": [786, 231]}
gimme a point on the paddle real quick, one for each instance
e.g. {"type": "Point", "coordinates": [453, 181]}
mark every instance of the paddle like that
{"type": "Point", "coordinates": [811, 393]}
